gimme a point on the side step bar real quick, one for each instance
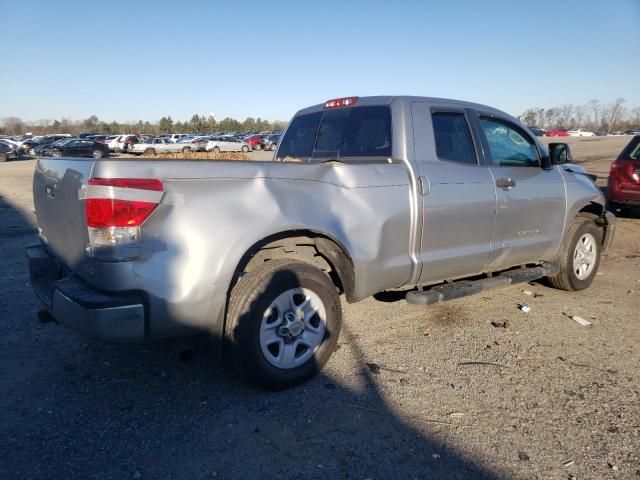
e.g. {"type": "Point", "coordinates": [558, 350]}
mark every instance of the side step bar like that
{"type": "Point", "coordinates": [463, 288]}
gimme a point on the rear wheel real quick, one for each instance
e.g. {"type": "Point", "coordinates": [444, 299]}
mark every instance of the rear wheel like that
{"type": "Point", "coordinates": [56, 154]}
{"type": "Point", "coordinates": [149, 151]}
{"type": "Point", "coordinates": [216, 150]}
{"type": "Point", "coordinates": [186, 149]}
{"type": "Point", "coordinates": [3, 157]}
{"type": "Point", "coordinates": [283, 323]}
{"type": "Point", "coordinates": [580, 256]}
{"type": "Point", "coordinates": [97, 154]}
{"type": "Point", "coordinates": [245, 149]}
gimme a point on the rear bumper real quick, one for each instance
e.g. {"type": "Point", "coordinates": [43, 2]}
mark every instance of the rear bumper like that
{"type": "Point", "coordinates": [75, 304]}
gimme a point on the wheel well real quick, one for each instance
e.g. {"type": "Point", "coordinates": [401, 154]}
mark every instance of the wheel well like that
{"type": "Point", "coordinates": [592, 210]}
{"type": "Point", "coordinates": [306, 246]}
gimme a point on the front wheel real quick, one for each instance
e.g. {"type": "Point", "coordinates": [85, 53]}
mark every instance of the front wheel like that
{"type": "Point", "coordinates": [245, 149]}
{"type": "Point", "coordinates": [283, 323]}
{"type": "Point", "coordinates": [216, 150]}
{"type": "Point", "coordinates": [96, 154]}
{"type": "Point", "coordinates": [186, 150]}
{"type": "Point", "coordinates": [56, 154]}
{"type": "Point", "coordinates": [580, 256]}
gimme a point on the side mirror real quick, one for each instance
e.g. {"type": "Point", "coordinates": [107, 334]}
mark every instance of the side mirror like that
{"type": "Point", "coordinates": [559, 153]}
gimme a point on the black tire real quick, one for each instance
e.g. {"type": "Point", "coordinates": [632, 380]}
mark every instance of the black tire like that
{"type": "Point", "coordinates": [149, 151]}
{"type": "Point", "coordinates": [216, 150]}
{"type": "Point", "coordinates": [186, 150]}
{"type": "Point", "coordinates": [97, 154]}
{"type": "Point", "coordinates": [567, 279]}
{"type": "Point", "coordinates": [245, 149]}
{"type": "Point", "coordinates": [3, 157]}
{"type": "Point", "coordinates": [252, 297]}
{"type": "Point", "coordinates": [56, 153]}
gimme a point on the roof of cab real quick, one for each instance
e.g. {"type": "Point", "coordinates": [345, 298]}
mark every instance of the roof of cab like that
{"type": "Point", "coordinates": [389, 99]}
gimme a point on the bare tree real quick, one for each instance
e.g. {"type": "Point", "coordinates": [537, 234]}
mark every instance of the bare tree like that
{"type": "Point", "coordinates": [581, 115]}
{"type": "Point", "coordinates": [595, 108]}
{"type": "Point", "coordinates": [566, 112]}
{"type": "Point", "coordinates": [529, 117]}
{"type": "Point", "coordinates": [616, 111]}
{"type": "Point", "coordinates": [13, 125]}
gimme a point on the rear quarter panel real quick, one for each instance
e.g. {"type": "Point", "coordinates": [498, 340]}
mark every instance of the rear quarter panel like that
{"type": "Point", "coordinates": [195, 239]}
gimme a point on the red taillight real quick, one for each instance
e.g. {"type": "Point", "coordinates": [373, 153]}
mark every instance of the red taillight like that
{"type": "Point", "coordinates": [120, 208]}
{"type": "Point", "coordinates": [340, 102]}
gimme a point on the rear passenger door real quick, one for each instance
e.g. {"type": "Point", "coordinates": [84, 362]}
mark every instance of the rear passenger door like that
{"type": "Point", "coordinates": [457, 194]}
{"type": "Point", "coordinates": [530, 199]}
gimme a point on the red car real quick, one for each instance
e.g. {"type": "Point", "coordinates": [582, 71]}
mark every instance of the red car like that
{"type": "Point", "coordinates": [254, 141]}
{"type": "Point", "coordinates": [557, 132]}
{"type": "Point", "coordinates": [624, 177]}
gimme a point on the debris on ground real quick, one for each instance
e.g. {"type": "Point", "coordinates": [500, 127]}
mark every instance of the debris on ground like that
{"type": "Point", "coordinates": [568, 463]}
{"type": "Point", "coordinates": [525, 307]}
{"type": "Point", "coordinates": [523, 456]}
{"type": "Point", "coordinates": [503, 324]}
{"type": "Point", "coordinates": [529, 293]}
{"type": "Point", "coordinates": [579, 320]}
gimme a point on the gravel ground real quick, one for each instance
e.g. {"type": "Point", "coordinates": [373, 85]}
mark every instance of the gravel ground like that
{"type": "Point", "coordinates": [473, 388]}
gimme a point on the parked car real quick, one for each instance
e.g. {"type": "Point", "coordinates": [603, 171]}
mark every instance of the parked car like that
{"type": "Point", "coordinates": [176, 137]}
{"type": "Point", "coordinates": [624, 177]}
{"type": "Point", "coordinates": [270, 142]}
{"type": "Point", "coordinates": [602, 133]}
{"type": "Point", "coordinates": [254, 141]}
{"type": "Point", "coordinates": [557, 132]}
{"type": "Point", "coordinates": [44, 149]}
{"type": "Point", "coordinates": [226, 144]}
{"type": "Point", "coordinates": [30, 145]}
{"type": "Point", "coordinates": [158, 145]}
{"type": "Point", "coordinates": [78, 147]}
{"type": "Point", "coordinates": [125, 141]}
{"type": "Point", "coordinates": [366, 195]}
{"type": "Point", "coordinates": [538, 132]}
{"type": "Point", "coordinates": [580, 132]}
{"type": "Point", "coordinates": [7, 151]}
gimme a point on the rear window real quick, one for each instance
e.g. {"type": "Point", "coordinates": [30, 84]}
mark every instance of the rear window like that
{"type": "Point", "coordinates": [633, 150]}
{"type": "Point", "coordinates": [339, 133]}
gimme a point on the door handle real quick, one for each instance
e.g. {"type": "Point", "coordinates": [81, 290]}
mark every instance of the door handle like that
{"type": "Point", "coordinates": [505, 183]}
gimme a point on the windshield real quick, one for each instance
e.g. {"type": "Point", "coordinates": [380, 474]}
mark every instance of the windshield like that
{"type": "Point", "coordinates": [339, 133]}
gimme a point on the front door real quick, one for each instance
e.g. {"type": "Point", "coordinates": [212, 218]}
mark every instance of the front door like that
{"type": "Point", "coordinates": [530, 199]}
{"type": "Point", "coordinates": [457, 194]}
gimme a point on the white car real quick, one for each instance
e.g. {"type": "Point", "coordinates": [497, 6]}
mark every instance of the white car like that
{"type": "Point", "coordinates": [177, 137]}
{"type": "Point", "coordinates": [226, 144]}
{"type": "Point", "coordinates": [581, 132]}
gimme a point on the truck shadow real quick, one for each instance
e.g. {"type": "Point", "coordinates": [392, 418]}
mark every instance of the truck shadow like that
{"type": "Point", "coordinates": [153, 411]}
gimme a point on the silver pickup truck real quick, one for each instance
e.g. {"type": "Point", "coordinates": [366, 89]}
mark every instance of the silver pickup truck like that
{"type": "Point", "coordinates": [158, 145]}
{"type": "Point", "coordinates": [436, 198]}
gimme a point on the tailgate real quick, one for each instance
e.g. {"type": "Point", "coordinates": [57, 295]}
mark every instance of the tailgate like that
{"type": "Point", "coordinates": [57, 183]}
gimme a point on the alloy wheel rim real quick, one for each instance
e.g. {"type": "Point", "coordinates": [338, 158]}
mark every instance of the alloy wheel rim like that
{"type": "Point", "coordinates": [585, 256]}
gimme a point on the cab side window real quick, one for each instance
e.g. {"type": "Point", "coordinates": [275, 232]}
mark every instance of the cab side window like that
{"type": "Point", "coordinates": [453, 138]}
{"type": "Point", "coordinates": [510, 146]}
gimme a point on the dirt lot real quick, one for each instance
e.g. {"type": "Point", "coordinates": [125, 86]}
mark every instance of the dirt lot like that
{"type": "Point", "coordinates": [437, 392]}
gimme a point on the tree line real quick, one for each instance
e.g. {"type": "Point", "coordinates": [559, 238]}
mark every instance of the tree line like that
{"type": "Point", "coordinates": [197, 124]}
{"type": "Point", "coordinates": [594, 115]}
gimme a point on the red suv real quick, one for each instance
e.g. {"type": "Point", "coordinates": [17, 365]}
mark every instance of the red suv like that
{"type": "Point", "coordinates": [624, 176]}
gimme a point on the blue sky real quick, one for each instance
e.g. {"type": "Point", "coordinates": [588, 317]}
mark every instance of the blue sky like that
{"type": "Point", "coordinates": [144, 59]}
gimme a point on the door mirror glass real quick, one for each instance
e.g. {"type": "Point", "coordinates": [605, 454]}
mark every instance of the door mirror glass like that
{"type": "Point", "coordinates": [560, 153]}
